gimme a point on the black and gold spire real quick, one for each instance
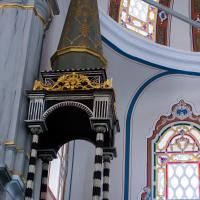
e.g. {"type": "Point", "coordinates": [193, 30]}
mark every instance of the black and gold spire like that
{"type": "Point", "coordinates": [80, 45]}
{"type": "Point", "coordinates": [75, 100]}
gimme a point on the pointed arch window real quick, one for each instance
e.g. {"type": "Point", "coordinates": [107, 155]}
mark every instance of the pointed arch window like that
{"type": "Point", "coordinates": [138, 16]}
{"type": "Point", "coordinates": [143, 18]}
{"type": "Point", "coordinates": [174, 156]}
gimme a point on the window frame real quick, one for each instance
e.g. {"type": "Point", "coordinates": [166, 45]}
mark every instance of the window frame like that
{"type": "Point", "coordinates": [163, 124]}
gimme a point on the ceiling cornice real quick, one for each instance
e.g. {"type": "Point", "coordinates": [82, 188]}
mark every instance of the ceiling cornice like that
{"type": "Point", "coordinates": [138, 47]}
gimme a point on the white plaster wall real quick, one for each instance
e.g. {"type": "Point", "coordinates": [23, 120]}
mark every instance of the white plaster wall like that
{"type": "Point", "coordinates": [53, 179]}
{"type": "Point", "coordinates": [20, 48]}
{"type": "Point", "coordinates": [155, 101]}
{"type": "Point", "coordinates": [53, 34]}
{"type": "Point", "coordinates": [128, 76]}
{"type": "Point", "coordinates": [37, 184]}
{"type": "Point", "coordinates": [80, 174]}
{"type": "Point", "coordinates": [179, 31]}
{"type": "Point", "coordinates": [142, 48]}
{"type": "Point", "coordinates": [14, 41]}
{"type": "Point", "coordinates": [127, 41]}
{"type": "Point", "coordinates": [104, 5]}
{"type": "Point", "coordinates": [21, 40]}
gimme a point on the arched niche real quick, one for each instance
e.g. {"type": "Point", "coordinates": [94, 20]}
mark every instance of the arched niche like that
{"type": "Point", "coordinates": [66, 121]}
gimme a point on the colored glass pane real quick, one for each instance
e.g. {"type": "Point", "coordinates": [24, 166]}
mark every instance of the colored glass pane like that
{"type": "Point", "coordinates": [138, 16]}
{"type": "Point", "coordinates": [183, 181]}
{"type": "Point", "coordinates": [177, 163]}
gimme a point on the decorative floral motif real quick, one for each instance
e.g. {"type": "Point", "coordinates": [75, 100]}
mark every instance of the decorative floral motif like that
{"type": "Point", "coordinates": [180, 111]}
{"type": "Point", "coordinates": [173, 149]}
{"type": "Point", "coordinates": [176, 150]}
{"type": "Point", "coordinates": [71, 81]}
{"type": "Point", "coordinates": [163, 16]}
{"type": "Point", "coordinates": [146, 195]}
{"type": "Point", "coordinates": [163, 159]}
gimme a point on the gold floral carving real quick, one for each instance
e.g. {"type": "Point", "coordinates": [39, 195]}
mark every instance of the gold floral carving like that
{"type": "Point", "coordinates": [73, 81]}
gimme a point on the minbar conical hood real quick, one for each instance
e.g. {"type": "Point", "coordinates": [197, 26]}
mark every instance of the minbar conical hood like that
{"type": "Point", "coordinates": [80, 45]}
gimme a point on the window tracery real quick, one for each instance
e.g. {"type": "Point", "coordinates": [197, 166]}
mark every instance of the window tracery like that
{"type": "Point", "coordinates": [174, 155]}
{"type": "Point", "coordinates": [138, 16]}
{"type": "Point", "coordinates": [143, 18]}
{"type": "Point", "coordinates": [177, 163]}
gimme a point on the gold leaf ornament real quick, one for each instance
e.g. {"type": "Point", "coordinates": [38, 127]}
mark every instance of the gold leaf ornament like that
{"type": "Point", "coordinates": [73, 81]}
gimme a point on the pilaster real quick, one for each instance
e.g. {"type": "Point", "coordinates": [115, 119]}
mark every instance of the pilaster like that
{"type": "Point", "coordinates": [108, 155]}
{"type": "Point", "coordinates": [46, 156]}
{"type": "Point", "coordinates": [10, 153]}
{"type": "Point", "coordinates": [24, 24]}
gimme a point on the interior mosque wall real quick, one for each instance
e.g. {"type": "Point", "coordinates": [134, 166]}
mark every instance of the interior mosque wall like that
{"type": "Point", "coordinates": [179, 32]}
{"type": "Point", "coordinates": [52, 37]}
{"type": "Point", "coordinates": [156, 100]}
{"type": "Point", "coordinates": [21, 43]}
{"type": "Point", "coordinates": [23, 24]}
{"type": "Point", "coordinates": [148, 79]}
{"type": "Point", "coordinates": [80, 165]}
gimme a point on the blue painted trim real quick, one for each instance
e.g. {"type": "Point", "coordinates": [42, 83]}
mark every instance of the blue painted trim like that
{"type": "Point", "coordinates": [131, 107]}
{"type": "Point", "coordinates": [168, 71]}
{"type": "Point", "coordinates": [129, 56]}
{"type": "Point", "coordinates": [72, 171]}
{"type": "Point", "coordinates": [128, 127]}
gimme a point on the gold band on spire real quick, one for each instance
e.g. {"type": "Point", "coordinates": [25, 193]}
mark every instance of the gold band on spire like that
{"type": "Point", "coordinates": [80, 45]}
{"type": "Point", "coordinates": [79, 49]}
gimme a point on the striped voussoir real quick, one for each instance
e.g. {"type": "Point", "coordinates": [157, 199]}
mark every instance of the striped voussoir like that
{"type": "Point", "coordinates": [31, 169]}
{"type": "Point", "coordinates": [106, 176]}
{"type": "Point", "coordinates": [98, 167]}
{"type": "Point", "coordinates": [45, 166]}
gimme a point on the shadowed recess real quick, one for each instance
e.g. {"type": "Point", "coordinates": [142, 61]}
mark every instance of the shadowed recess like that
{"type": "Point", "coordinates": [66, 124]}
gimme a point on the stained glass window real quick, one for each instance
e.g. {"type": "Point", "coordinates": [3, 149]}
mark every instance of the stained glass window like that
{"type": "Point", "coordinates": [177, 163]}
{"type": "Point", "coordinates": [138, 16]}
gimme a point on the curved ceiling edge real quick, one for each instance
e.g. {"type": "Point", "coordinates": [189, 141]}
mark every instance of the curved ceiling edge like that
{"type": "Point", "coordinates": [146, 50]}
